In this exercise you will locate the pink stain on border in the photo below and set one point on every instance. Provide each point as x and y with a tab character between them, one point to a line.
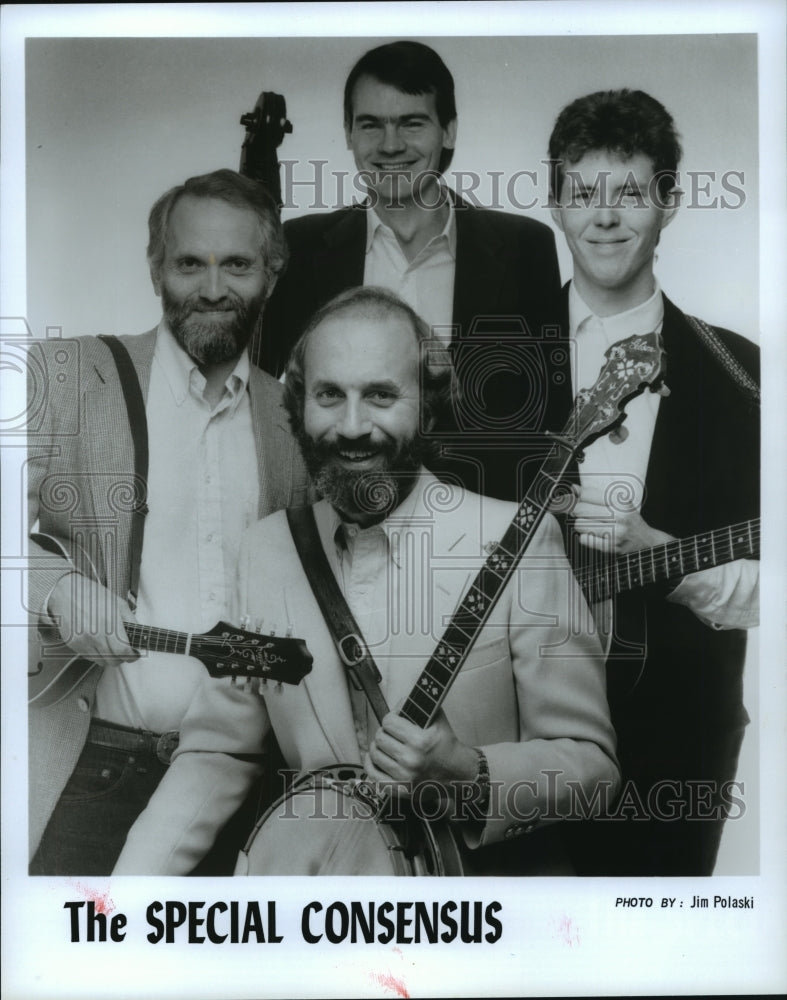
567	931
390	982
101	900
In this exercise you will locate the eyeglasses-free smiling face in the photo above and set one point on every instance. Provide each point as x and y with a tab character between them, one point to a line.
213	282
612	217
361	411
395	137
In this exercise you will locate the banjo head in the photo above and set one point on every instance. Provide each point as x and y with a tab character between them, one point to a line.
328	823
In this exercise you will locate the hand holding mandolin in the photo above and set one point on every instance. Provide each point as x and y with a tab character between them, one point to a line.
90	620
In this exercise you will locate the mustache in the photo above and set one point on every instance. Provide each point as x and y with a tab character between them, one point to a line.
230	303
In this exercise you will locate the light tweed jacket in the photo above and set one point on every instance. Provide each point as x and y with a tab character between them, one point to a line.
80	479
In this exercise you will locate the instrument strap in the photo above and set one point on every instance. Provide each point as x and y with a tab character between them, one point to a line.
725	358
135	404
361	669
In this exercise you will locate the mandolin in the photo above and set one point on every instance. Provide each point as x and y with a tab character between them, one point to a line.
225	651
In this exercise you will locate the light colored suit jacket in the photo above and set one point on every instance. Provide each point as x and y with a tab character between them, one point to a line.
81	479
531	693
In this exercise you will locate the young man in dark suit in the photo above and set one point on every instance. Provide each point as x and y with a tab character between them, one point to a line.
469	272
686	463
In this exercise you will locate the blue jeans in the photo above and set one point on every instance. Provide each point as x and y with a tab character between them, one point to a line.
108	789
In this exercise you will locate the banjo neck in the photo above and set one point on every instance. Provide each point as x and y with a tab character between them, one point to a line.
435	680
631	366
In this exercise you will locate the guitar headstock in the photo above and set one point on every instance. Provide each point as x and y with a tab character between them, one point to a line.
632	365
227	651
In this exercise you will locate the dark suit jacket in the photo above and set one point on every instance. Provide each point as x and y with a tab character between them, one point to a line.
684	719
506	265
506	270
80	478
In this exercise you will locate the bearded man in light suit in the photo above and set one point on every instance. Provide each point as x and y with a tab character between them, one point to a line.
526	715
220	456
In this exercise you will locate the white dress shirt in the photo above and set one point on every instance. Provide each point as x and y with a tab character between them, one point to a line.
203	491
427	282
723	597
367	566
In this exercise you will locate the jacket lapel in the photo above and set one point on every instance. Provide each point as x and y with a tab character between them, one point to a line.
273	443
328	685
438	543
110	459
480	264
340	257
675	454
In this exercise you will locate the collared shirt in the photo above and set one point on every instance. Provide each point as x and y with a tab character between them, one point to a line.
203	492
367	566
608	465
427	282
723	597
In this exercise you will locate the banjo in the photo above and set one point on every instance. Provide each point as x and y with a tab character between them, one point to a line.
335	821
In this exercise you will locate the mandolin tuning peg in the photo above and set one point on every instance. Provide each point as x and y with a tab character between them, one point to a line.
618	435
279	687
244	622
258	625
272	630
288	633
662	390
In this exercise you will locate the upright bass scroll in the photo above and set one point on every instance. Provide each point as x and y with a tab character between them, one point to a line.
265	127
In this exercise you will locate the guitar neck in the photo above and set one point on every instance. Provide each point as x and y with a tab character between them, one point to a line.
671	560
473	612
159	640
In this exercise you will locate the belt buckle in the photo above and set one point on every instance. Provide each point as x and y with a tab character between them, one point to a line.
166	745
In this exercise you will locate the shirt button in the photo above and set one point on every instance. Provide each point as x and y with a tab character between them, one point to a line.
209	537
212	597
83	704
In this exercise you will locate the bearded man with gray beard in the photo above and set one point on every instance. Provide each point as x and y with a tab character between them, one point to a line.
525	722
220	455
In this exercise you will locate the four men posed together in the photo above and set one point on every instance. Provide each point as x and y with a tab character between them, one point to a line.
543	751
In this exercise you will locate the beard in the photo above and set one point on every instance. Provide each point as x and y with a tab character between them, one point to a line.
368	495
211	339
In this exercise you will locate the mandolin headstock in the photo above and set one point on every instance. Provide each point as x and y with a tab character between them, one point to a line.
227	651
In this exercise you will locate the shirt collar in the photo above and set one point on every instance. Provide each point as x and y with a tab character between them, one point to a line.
374	224
184	377
647	317
411	508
